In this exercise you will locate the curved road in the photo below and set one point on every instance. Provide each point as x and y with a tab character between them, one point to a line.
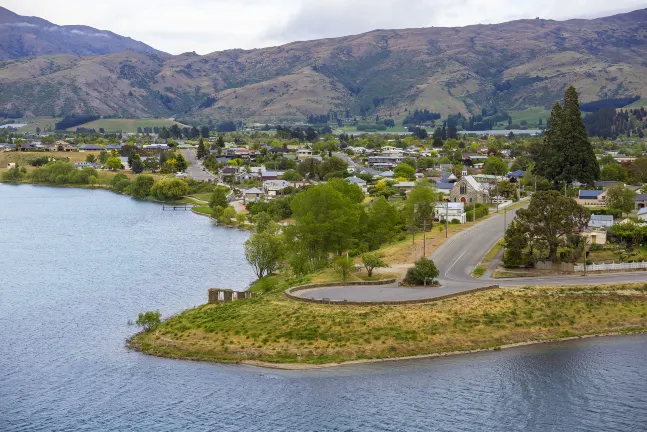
456	258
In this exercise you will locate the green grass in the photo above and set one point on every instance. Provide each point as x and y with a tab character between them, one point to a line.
127	125
275	329
531	115
206	210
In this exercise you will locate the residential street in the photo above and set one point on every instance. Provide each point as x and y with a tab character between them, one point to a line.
195	167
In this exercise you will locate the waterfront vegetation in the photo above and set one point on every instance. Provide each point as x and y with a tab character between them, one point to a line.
272	328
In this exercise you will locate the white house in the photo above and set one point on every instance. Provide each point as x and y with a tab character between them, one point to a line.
450	211
303	153
273	188
601	221
359	182
253	194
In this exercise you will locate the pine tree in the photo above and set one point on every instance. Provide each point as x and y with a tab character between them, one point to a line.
202	151
566	154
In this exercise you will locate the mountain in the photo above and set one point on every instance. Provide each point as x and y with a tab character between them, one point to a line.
22	36
515	66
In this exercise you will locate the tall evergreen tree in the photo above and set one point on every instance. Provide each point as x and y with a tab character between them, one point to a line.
566	154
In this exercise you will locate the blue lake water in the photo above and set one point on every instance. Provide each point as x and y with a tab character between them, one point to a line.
76	265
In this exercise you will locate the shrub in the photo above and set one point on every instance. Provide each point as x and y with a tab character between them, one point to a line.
343	267
148	320
169	189
422	272
142	185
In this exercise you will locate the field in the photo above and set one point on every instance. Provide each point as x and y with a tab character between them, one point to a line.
45	124
127	125
22	157
531	115
272	328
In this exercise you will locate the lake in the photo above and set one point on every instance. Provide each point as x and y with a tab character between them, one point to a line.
78	264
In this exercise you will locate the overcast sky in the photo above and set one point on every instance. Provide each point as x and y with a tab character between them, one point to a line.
205	26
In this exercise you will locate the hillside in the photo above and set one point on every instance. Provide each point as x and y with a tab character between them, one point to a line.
515	66
22	36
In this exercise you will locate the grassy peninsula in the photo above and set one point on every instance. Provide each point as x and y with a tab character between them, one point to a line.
271	328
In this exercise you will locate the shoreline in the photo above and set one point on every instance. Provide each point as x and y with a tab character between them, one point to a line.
309	366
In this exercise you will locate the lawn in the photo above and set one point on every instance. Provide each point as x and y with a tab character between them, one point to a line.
273	328
127	125
487	260
22	157
531	115
45	124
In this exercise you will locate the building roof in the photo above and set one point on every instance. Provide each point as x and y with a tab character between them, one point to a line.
91	147
590	194
472	182
640	197
451	205
441	185
387	174
642	211
355	180
254	191
405	184
516	174
447	177
606	184
602	218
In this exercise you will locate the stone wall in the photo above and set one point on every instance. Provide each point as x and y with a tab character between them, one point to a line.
218	295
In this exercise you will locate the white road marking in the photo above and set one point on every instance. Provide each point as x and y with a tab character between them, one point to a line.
450	267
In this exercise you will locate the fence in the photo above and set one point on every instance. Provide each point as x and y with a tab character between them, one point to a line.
548	265
614	266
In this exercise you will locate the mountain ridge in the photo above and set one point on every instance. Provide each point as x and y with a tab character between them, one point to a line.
25	36
519	65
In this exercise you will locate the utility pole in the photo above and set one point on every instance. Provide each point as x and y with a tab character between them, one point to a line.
446	218
424	237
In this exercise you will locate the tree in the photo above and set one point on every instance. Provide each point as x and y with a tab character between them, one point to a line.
137	165
114	163
204	132
263	252
292	175
495	166
404	171
152	164
180	163
383	223
326	221
421	204
228	214
639	169
551	219
332	165
103	157
90	158
202	150
309	168
343	267
423	271
148	320
566	154
142	185
169	189
621	198
614	172
371	261
240	218
219	198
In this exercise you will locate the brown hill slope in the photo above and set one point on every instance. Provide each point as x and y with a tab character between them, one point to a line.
509	66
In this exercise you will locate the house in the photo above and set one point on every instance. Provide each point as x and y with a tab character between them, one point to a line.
444	188
81	165
606	184
359	182
253	194
387	174
640	200
601	221
592	198
450	211
304	153
91	147
595	236
156	147
642	213
516	175
271	175
278	151
468	190
448	177
245	176
64	146
273	188
405	186
385	162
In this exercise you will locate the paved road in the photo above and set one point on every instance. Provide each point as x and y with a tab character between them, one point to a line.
357	166
456	258
195	167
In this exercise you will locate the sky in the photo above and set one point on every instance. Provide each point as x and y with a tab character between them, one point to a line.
206	26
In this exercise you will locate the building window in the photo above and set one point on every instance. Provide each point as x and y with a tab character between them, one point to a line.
470	199
463	189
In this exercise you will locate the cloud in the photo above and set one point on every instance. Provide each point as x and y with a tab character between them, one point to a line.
205	26
82	33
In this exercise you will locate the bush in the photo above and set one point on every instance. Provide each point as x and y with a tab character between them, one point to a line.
343	267
169	189
142	185
482	210
148	320
424	271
